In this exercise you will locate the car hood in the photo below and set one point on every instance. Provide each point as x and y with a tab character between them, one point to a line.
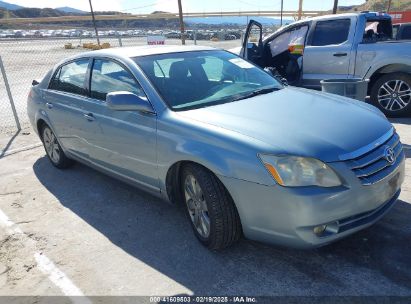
300	122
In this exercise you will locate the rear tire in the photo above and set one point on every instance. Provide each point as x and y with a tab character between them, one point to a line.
391	93
213	204
53	149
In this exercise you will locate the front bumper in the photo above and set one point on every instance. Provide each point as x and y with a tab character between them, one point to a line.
287	216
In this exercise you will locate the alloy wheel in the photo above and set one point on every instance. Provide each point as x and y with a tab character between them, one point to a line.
51	145
197	206
394	95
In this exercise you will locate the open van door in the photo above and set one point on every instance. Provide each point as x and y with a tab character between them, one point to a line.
252	48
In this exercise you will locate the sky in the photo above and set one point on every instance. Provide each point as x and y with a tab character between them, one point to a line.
148	6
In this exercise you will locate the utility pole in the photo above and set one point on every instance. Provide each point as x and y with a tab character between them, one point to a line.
94	22
180	14
281	16
389	6
300	9
335	7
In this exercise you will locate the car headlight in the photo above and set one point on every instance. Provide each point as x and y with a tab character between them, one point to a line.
296	171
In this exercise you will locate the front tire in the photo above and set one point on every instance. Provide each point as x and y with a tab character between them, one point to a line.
53	149
210	208
391	93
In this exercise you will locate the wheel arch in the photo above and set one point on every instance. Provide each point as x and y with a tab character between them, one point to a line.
173	187
40	122
173	176
40	125
387	69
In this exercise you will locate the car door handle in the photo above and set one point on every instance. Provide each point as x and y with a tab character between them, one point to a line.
49	105
340	54
89	116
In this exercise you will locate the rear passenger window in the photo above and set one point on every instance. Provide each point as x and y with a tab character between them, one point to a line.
70	77
331	32
108	76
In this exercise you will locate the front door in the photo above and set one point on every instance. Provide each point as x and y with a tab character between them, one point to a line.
252	48
328	53
123	142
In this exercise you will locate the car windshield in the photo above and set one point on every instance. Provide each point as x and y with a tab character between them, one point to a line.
197	79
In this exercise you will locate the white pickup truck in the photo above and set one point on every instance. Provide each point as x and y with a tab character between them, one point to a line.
354	45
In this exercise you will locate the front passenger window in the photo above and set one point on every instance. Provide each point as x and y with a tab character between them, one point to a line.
108	76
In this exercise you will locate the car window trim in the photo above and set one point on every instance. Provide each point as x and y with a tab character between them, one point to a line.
59	69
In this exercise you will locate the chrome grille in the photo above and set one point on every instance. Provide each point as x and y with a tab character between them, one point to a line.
372	166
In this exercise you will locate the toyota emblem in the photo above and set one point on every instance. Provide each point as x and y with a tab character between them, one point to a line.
389	155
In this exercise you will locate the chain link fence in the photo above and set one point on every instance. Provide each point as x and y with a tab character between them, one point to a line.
26	59
7	121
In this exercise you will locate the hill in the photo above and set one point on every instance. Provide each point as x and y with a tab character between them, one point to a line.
39	12
377	6
4	13
233	20
68	9
382	5
49	12
8	10
9	6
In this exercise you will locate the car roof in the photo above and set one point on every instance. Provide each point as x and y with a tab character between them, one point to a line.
331	16
316	18
367	14
136	51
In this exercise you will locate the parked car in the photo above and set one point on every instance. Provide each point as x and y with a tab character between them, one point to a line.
242	152
402	31
338	46
173	35
230	37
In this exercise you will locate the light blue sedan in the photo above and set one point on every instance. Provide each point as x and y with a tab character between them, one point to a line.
244	154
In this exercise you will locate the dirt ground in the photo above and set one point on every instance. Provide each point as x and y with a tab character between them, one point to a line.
79	232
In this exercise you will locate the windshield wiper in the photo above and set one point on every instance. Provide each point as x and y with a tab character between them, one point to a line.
257	92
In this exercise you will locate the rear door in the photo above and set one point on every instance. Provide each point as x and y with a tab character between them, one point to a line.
65	105
329	51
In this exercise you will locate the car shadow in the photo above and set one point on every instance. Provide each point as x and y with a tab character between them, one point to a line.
374	261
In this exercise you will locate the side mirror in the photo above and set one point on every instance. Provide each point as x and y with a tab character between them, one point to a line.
127	101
